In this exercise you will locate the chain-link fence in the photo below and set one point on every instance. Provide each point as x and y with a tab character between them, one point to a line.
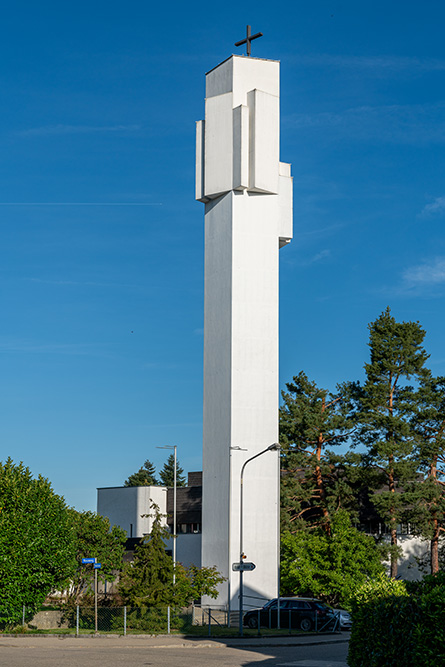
83	619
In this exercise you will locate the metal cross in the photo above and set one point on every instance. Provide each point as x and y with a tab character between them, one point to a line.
249	38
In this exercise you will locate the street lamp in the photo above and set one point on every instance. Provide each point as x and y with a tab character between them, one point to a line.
174	509
272	448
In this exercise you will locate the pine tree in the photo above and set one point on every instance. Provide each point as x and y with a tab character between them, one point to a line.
386	404
145	476
149	579
427	496
168	472
314	482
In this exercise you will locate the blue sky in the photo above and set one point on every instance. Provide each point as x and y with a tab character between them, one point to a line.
101	245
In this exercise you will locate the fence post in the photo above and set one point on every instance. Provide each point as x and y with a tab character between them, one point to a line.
210	622
23	616
77	620
125	621
168	619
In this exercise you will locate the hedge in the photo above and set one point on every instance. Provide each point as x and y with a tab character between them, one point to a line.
398	625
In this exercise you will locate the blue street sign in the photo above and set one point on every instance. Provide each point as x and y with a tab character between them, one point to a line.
85	561
97	566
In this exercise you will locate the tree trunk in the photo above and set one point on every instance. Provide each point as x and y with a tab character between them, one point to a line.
435	549
393	555
319	479
393	524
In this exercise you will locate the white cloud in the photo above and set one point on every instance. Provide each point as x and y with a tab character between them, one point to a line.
8	346
376	65
397	123
428	273
320	255
436	207
76	129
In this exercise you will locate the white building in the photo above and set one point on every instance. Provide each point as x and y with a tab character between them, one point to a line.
128	507
247	193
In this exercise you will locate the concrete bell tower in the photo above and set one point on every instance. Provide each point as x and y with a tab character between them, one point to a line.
247	194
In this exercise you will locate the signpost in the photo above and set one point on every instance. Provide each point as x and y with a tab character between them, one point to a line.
96	566
243	567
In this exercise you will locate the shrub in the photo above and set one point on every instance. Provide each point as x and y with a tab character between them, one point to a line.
398	625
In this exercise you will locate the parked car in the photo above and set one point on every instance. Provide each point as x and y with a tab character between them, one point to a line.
345	620
303	613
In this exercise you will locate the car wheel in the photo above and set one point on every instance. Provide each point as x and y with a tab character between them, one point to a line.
252	622
305	624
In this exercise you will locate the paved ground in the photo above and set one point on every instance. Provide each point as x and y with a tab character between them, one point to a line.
52	651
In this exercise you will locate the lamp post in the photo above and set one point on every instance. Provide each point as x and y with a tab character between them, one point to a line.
174	509
272	448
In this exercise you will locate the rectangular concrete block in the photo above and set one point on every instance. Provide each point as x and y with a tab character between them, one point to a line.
241	148
199	168
264	141
285	209
218	146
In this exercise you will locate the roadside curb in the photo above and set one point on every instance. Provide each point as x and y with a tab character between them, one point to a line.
187	641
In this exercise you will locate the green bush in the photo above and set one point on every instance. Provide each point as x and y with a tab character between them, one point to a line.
398	625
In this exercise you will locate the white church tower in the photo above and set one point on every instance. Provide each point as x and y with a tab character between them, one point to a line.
247	193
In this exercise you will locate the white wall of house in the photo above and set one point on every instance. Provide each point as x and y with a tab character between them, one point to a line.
125	506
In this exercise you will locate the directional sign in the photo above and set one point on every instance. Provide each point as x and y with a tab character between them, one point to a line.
97	566
243	567
85	561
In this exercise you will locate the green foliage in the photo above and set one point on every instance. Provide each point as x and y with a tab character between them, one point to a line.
426	494
148	580
378	587
331	567
95	539
314	479
145	476
385	406
37	544
193	582
396	624
168	472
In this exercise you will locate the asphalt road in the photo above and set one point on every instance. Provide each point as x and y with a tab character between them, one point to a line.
137	652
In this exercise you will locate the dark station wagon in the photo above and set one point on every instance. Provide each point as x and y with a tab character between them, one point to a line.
302	613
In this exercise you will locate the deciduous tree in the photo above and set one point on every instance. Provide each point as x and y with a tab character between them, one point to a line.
332	566
95	538
37	542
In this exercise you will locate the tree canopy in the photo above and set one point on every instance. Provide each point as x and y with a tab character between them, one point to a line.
37	541
168	472
148	580
329	566
94	538
386	405
314	482
426	493
145	476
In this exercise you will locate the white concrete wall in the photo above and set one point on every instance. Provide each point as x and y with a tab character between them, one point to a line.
125	505
244	227
188	549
